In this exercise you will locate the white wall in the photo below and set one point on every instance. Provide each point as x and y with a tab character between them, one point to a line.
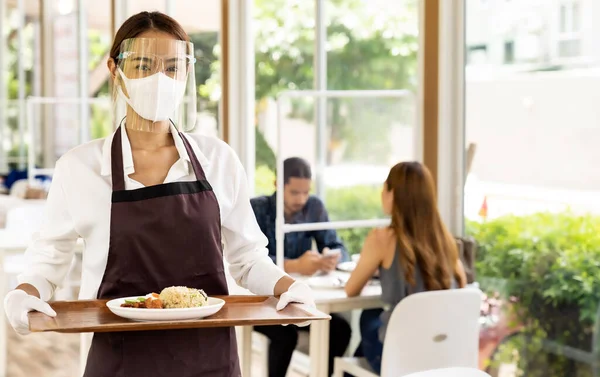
540	130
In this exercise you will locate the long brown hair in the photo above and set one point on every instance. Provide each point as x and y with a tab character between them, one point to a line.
422	237
146	21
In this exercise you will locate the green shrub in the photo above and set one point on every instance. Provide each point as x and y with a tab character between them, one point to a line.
551	264
264	181
559	254
263	153
354	203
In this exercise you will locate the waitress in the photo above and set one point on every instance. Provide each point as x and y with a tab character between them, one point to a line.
153	206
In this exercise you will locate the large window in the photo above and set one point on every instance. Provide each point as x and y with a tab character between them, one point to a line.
532	197
368	45
570	36
48	58
21	78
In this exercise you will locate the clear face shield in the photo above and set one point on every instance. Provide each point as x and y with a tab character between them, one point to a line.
155	85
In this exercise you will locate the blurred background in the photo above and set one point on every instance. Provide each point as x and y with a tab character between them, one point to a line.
499	99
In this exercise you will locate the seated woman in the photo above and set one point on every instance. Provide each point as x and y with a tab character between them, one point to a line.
416	253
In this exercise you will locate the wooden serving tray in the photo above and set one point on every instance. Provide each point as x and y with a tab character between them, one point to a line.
94	316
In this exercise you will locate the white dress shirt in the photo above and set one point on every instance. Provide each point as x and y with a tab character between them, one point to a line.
79	204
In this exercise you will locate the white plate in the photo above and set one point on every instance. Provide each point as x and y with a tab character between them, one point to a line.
141	314
347	266
326	282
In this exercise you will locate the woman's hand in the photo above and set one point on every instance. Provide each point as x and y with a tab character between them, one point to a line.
299	293
330	260
18	303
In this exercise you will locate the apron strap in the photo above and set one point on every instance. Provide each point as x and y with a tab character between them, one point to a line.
116	162
193	159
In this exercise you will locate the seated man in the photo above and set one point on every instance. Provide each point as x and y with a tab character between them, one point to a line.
300	207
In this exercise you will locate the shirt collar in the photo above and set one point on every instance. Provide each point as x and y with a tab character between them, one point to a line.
128	157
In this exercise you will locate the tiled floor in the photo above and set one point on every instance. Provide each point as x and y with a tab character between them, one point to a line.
55	355
47	355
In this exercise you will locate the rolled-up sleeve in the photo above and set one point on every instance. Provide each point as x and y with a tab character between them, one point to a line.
245	244
49	256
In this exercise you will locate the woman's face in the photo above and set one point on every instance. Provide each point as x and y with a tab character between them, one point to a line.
163	48
151	78
387	199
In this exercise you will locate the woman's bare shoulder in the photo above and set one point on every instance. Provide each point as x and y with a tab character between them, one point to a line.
382	237
383	234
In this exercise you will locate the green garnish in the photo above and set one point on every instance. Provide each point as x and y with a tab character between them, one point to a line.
133	301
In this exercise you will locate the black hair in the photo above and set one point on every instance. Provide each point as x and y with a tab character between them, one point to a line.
296	167
145	21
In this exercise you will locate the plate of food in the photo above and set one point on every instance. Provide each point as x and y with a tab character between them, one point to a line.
172	304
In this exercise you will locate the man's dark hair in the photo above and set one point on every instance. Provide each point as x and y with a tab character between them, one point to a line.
295	167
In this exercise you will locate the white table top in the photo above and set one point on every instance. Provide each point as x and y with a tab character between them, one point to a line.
370	296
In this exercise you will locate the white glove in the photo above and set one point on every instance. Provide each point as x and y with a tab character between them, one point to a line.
300	293
18	303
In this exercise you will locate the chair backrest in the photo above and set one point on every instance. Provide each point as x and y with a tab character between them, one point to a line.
467	250
451	372
429	330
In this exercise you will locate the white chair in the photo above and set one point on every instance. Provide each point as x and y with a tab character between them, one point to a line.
451	372
429	330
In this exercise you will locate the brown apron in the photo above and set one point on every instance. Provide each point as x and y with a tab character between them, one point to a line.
161	236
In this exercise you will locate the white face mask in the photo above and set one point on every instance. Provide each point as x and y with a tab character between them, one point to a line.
154	97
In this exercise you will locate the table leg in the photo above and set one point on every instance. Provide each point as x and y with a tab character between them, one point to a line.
319	346
246	354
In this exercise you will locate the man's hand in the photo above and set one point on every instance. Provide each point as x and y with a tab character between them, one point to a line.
330	262
330	259
308	264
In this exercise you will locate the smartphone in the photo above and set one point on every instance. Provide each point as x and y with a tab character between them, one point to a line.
330	253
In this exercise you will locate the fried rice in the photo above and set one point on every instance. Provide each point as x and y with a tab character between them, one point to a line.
183	297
